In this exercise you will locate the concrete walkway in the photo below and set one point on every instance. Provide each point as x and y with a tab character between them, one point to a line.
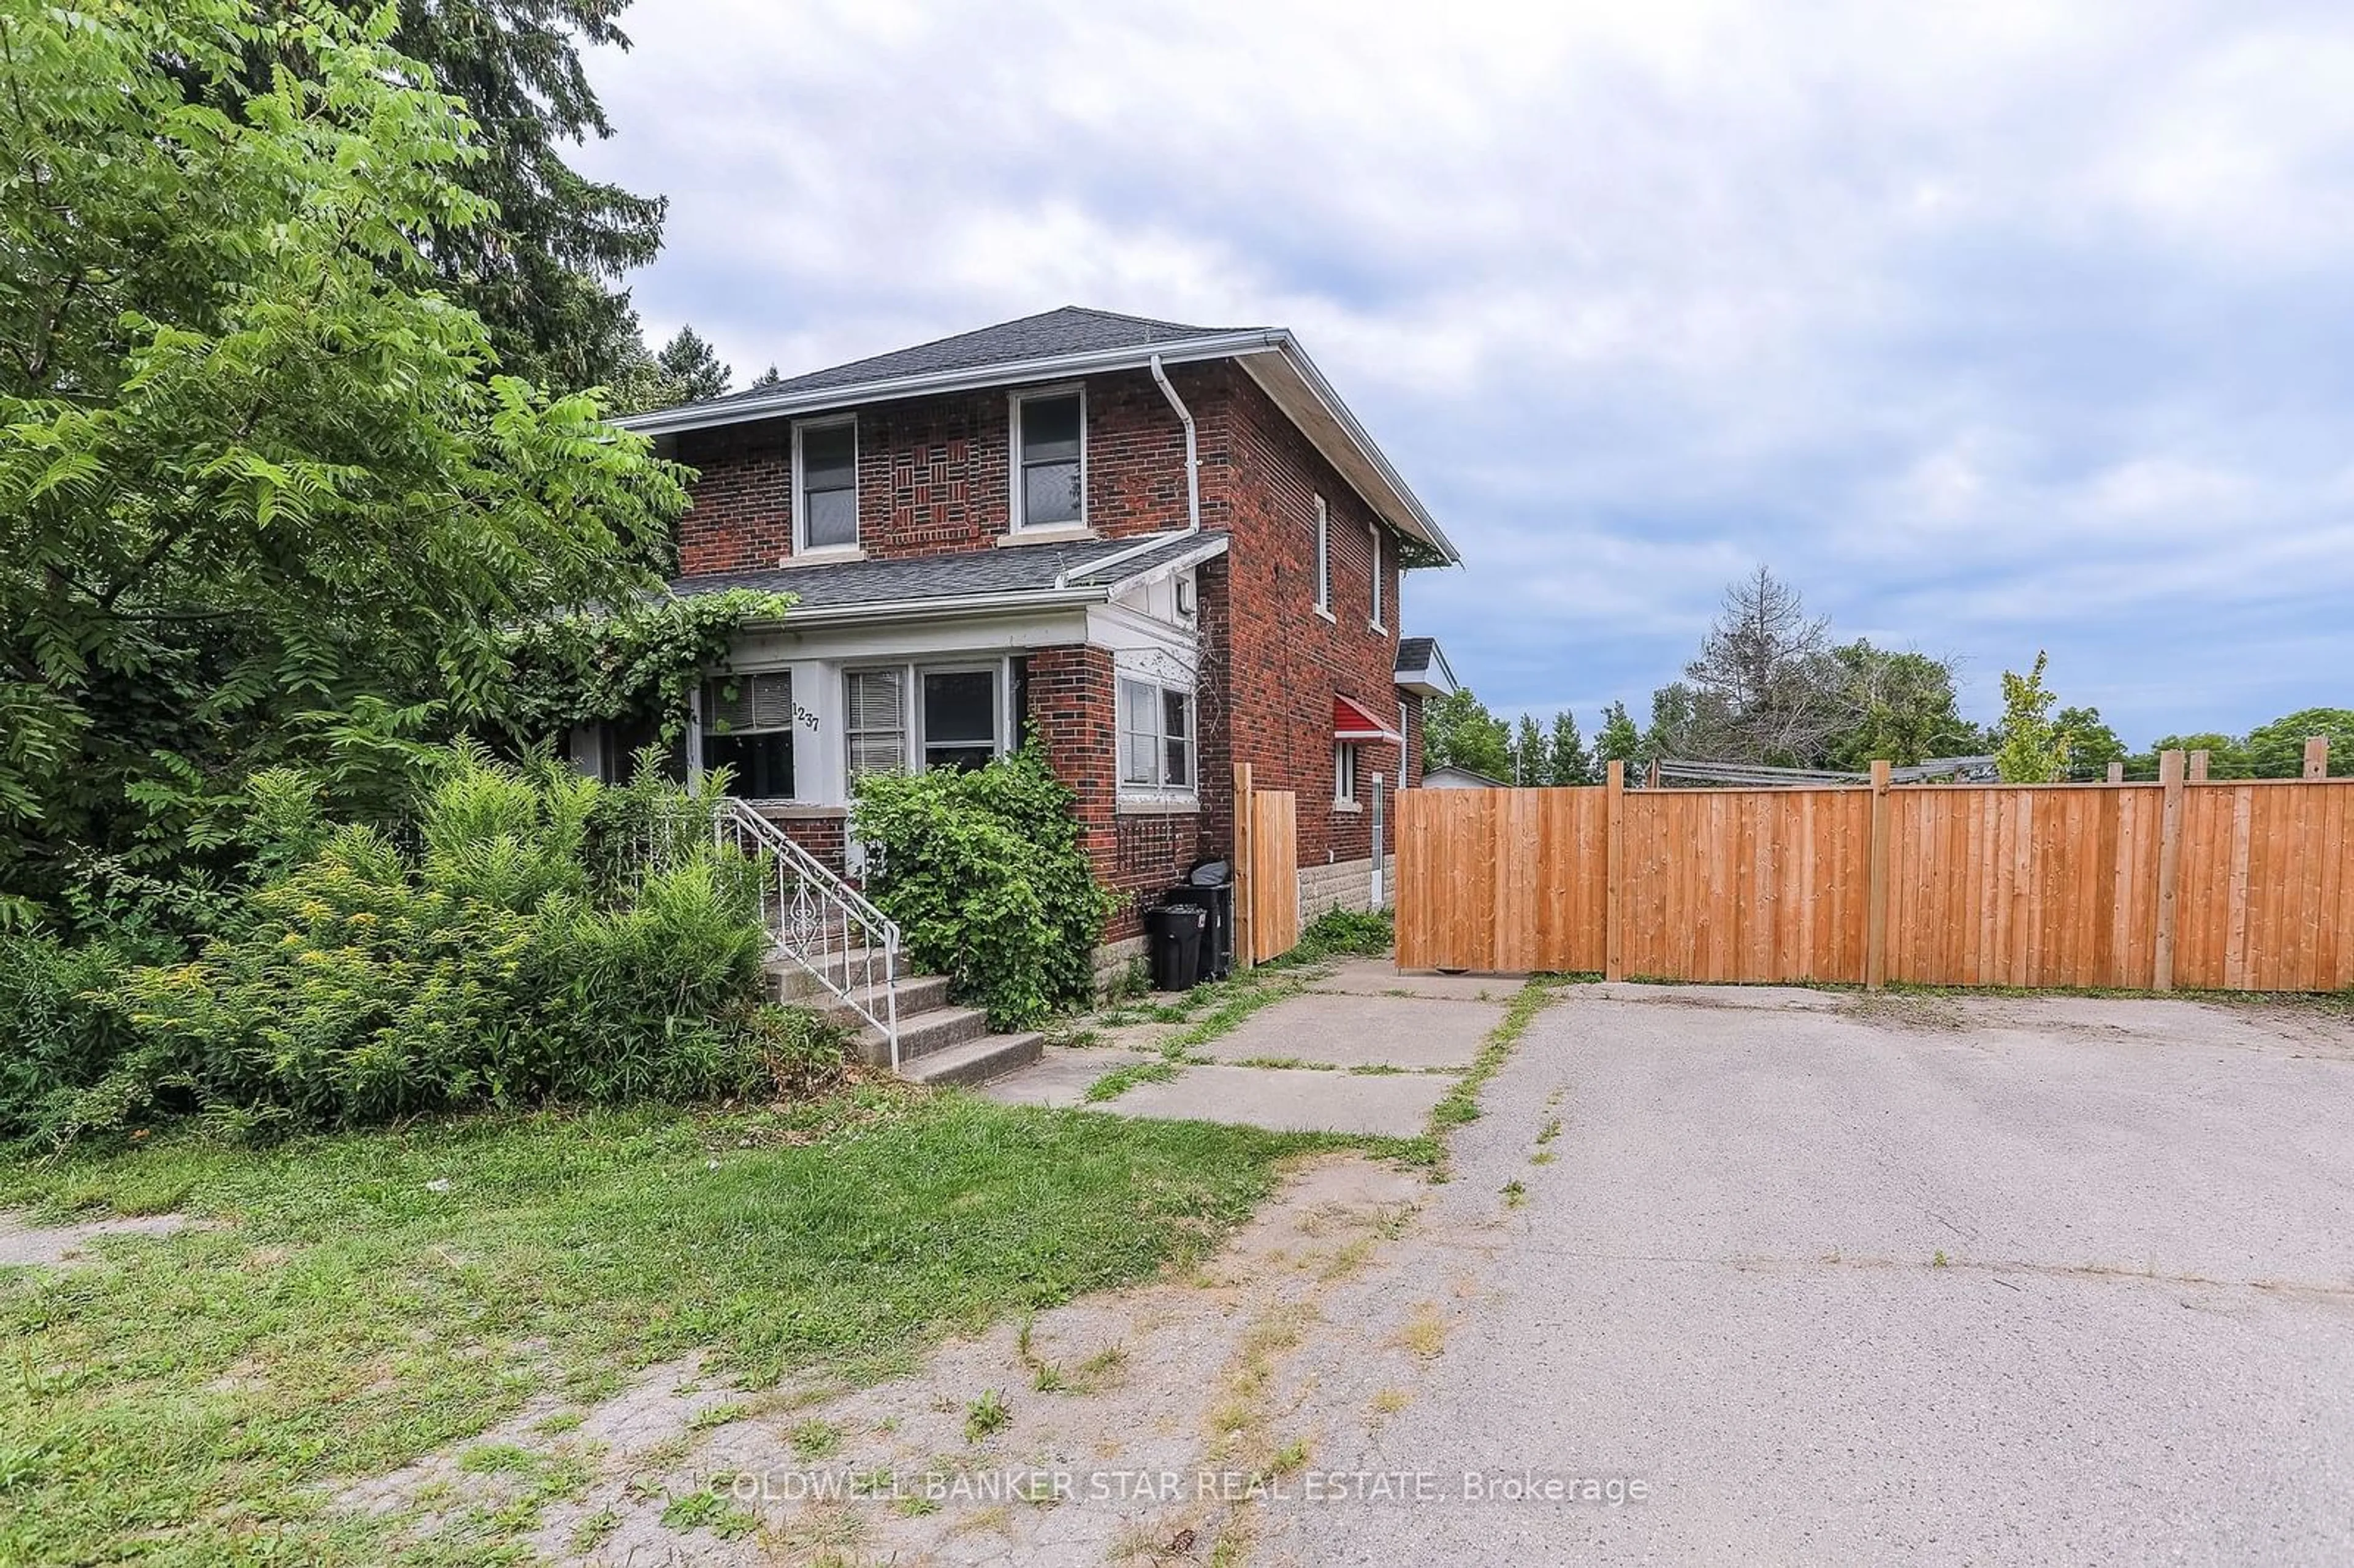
1361	1050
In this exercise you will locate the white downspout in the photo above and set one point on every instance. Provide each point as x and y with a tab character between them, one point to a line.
1193	462
1193	490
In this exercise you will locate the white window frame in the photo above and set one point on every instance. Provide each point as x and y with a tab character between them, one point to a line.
1323	559
1374	531
997	671
1344	773
708	728
802	546
1160	786
907	720
1016	494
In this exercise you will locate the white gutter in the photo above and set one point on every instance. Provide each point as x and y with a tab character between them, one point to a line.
702	416
1193	492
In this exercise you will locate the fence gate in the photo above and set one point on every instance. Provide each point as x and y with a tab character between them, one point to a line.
1267	859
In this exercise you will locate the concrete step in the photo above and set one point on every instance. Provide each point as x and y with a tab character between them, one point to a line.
918	994
788	981
923	1034
974	1061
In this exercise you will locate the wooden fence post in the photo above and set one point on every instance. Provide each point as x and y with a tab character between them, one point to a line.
1876	906
2317	757
2116	772
2199	766
2169	864
1613	866
1245	885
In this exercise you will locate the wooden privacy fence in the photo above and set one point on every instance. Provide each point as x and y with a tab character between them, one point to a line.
1266	870
2235	886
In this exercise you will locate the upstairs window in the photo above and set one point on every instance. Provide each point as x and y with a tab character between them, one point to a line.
1049	459
1323	559
1156	737
747	728
825	505
1374	529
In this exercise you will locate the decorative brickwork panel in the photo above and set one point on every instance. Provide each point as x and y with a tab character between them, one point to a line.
935	474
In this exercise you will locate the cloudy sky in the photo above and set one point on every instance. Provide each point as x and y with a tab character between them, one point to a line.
1994	326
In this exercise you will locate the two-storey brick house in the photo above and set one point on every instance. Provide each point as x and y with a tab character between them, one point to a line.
1153	550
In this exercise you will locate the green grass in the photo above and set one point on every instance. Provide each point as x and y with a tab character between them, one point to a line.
183	1398
1462	1102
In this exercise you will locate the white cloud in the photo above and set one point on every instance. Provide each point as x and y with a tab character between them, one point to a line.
1993	323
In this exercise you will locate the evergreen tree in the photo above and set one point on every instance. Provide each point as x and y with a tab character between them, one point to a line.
1529	761
541	270
1616	741
692	367
1568	761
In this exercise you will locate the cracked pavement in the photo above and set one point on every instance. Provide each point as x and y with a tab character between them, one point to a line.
1912	1279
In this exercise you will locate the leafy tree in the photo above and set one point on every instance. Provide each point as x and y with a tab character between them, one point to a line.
1616	741
2034	749
2227	756
539	265
1566	760
2277	751
1458	731
693	367
1529	760
256	471
2092	743
1902	709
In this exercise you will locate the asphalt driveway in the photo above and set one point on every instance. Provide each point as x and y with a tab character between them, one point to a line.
2060	1280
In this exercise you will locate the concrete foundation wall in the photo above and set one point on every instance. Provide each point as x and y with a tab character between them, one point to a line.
1343	884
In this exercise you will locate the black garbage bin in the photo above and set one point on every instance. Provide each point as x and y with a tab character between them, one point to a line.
1173	933
1211	886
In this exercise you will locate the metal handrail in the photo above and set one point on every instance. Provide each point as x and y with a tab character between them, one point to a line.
810	910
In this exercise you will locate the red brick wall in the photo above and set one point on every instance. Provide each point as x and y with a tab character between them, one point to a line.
934	473
933	478
1074	716
824	837
1286	661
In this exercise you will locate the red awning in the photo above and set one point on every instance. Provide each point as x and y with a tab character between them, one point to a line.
1351	721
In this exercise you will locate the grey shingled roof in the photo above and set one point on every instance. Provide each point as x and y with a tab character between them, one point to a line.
1026	568
1074	329
1414	653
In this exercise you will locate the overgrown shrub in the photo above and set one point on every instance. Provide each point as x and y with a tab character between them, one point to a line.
511	957
984	873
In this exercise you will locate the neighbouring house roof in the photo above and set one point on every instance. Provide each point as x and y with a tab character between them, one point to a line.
1351	720
1422	667
1440	776
1074	341
1082	572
